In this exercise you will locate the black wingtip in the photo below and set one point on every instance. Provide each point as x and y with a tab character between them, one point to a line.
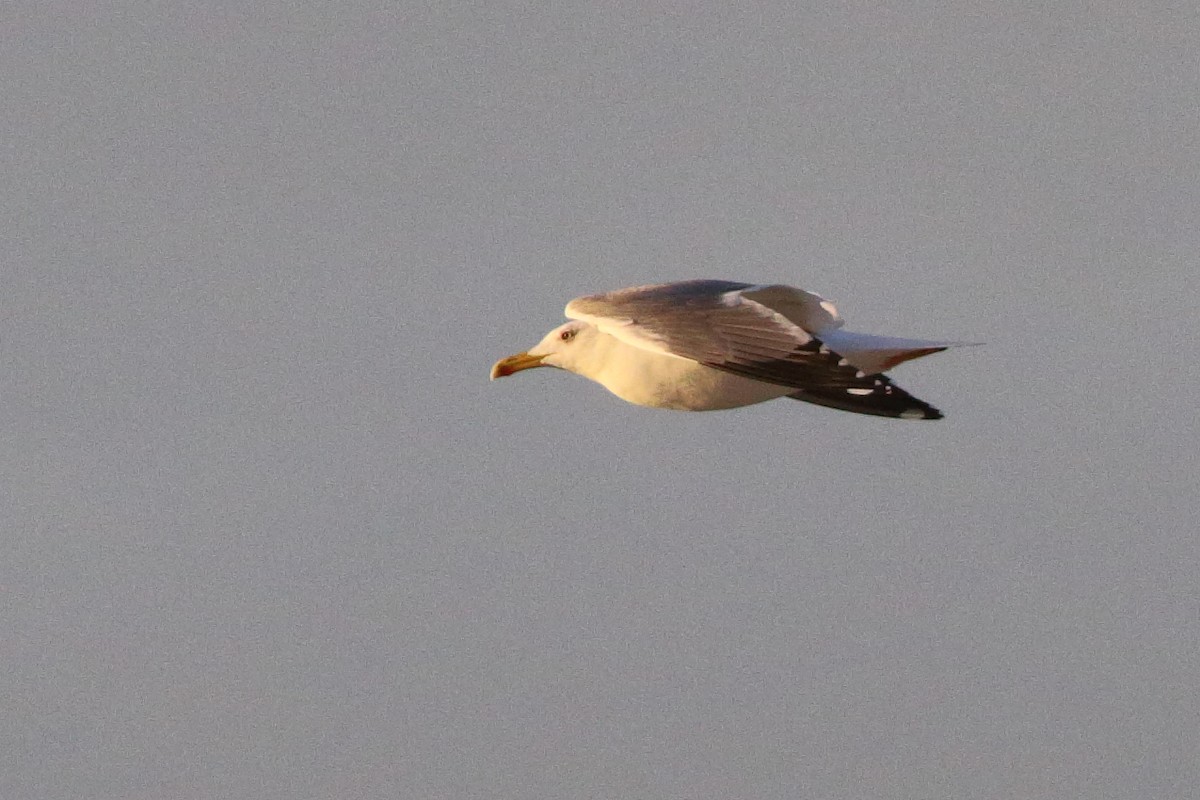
885	399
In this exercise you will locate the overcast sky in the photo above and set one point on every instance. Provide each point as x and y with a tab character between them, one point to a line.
269	532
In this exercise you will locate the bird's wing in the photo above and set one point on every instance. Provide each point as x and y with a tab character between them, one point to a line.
885	399
810	311
721	325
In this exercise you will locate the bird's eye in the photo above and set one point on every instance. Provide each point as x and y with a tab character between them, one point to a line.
567	335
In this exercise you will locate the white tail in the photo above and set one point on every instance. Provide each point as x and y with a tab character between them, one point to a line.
875	354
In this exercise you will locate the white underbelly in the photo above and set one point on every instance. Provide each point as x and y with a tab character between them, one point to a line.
675	383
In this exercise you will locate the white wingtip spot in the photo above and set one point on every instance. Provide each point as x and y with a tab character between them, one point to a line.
843	362
912	413
860	374
860	392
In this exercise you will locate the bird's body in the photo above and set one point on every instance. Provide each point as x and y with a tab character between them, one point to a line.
658	380
708	345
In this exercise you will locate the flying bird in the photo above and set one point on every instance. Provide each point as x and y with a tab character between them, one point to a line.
704	345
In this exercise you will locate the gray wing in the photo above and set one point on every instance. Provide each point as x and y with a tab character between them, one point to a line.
712	322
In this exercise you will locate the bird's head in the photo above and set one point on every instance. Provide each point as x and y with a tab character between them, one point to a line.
564	347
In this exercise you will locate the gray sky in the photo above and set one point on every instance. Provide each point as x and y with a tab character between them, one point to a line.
270	533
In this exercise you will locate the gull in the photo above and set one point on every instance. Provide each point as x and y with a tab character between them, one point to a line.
704	345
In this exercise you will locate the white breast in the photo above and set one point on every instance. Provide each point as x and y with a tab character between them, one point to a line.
662	381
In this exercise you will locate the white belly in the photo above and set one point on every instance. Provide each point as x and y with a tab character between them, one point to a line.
661	381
